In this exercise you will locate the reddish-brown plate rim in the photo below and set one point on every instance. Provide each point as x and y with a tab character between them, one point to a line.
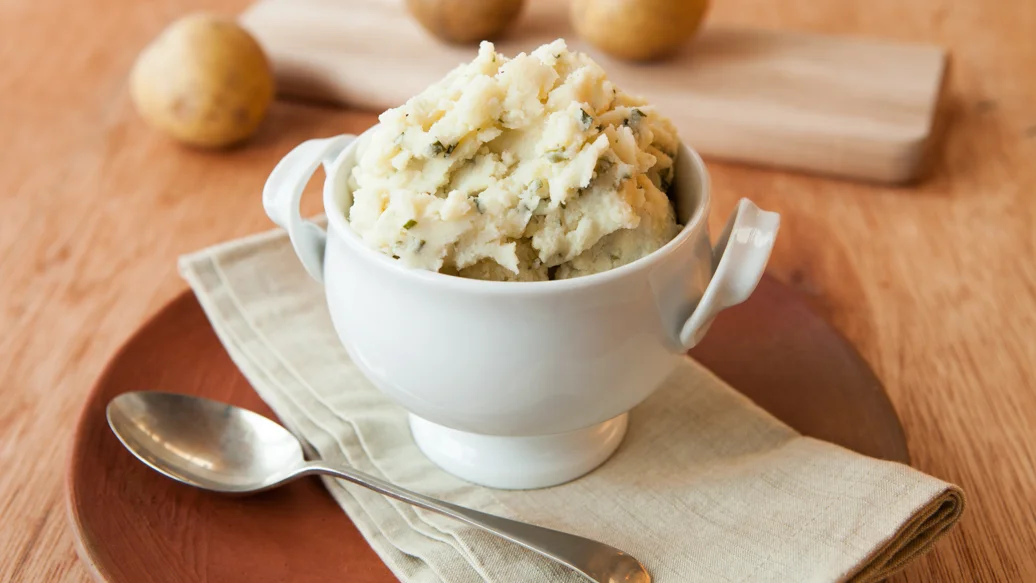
775	309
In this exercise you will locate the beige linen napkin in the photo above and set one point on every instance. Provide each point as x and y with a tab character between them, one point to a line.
706	487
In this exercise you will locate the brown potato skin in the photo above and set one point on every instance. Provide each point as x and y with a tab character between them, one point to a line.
638	30
204	81
465	21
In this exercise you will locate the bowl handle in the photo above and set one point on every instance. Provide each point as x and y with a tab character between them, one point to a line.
283	193
738	261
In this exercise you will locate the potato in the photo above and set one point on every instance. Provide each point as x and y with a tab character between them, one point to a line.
465	21
205	81
638	30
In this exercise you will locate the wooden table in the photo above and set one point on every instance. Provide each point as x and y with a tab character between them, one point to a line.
936	284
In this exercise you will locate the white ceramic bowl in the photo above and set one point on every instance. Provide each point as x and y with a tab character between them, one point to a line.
519	384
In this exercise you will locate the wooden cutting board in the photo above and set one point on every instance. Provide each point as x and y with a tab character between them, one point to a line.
849	107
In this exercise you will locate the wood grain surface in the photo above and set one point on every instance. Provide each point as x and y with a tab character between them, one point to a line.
934	284
833	105
132	525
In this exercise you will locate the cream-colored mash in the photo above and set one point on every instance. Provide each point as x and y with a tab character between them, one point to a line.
521	169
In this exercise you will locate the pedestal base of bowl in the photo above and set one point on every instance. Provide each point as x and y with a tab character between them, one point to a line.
518	463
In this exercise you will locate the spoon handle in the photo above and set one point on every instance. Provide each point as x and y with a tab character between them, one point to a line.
576	552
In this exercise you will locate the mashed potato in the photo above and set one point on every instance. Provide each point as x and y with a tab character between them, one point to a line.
522	169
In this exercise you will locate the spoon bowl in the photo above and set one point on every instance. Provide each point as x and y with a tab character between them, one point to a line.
222	448
204	443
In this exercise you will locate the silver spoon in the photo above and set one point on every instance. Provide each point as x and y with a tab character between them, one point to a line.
219	447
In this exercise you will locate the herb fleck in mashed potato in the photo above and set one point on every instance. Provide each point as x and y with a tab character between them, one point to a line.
523	169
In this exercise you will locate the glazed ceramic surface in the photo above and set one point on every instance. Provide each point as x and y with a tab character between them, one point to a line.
773	348
519	384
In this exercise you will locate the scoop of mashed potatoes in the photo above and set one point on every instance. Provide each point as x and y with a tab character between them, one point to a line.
523	169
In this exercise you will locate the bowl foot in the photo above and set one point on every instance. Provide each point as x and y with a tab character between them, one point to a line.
518	463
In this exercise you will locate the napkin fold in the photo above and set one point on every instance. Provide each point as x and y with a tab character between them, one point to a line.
706	486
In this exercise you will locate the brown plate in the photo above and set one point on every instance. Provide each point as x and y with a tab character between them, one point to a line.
134	526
